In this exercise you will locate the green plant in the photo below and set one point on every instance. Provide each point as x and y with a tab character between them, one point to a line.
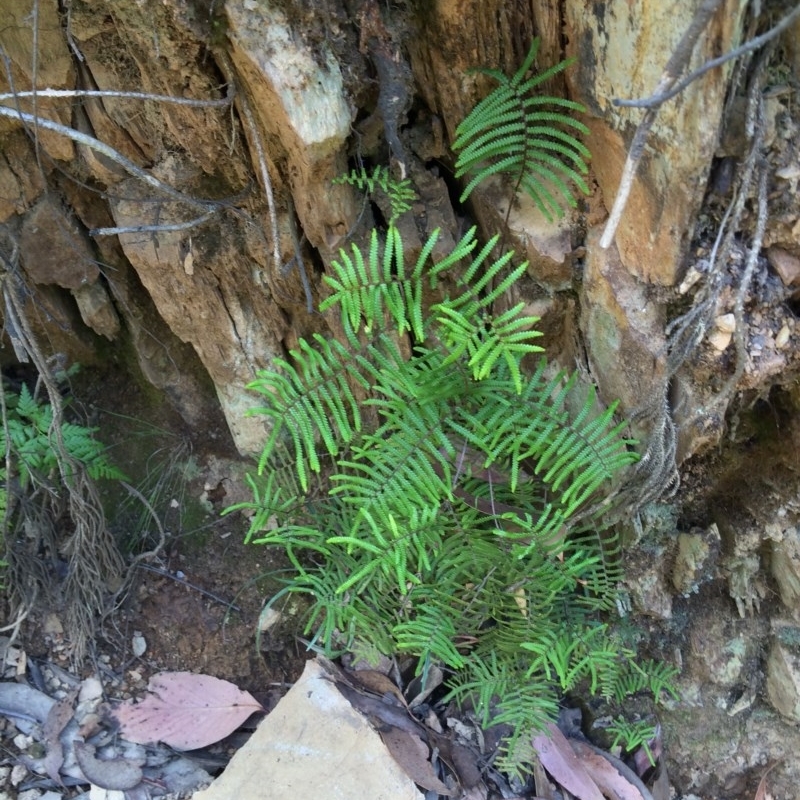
436	498
460	525
517	133
632	735
399	193
31	461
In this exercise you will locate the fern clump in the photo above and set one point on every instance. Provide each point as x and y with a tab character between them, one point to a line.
26	437
525	136
32	461
460	525
436	495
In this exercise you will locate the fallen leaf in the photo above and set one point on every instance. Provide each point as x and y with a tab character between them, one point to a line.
377	683
412	754
559	759
761	792
116	774
376	709
544	788
58	717
462	760
17	700
610	780
186	711
420	691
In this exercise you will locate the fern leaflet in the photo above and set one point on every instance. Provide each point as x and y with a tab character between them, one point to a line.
400	193
510	132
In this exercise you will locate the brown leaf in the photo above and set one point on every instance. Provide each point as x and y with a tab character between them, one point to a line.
411	753
459	758
116	773
419	691
559	759
186	711
57	719
544	789
376	709
377	683
609	780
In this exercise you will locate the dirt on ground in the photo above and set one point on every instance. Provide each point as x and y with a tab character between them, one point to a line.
195	593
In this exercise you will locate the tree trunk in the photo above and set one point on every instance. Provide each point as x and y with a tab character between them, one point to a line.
189	240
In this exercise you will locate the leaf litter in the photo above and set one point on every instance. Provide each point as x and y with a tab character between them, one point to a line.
186	711
74	745
439	760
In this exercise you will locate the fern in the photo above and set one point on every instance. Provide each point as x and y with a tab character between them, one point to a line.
462	521
28	431
649	676
463	448
400	193
517	133
27	440
633	735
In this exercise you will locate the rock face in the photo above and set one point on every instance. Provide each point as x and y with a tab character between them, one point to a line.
299	100
610	44
238	288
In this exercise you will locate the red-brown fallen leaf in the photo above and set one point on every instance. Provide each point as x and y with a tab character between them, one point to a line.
186	711
559	759
611	782
412	754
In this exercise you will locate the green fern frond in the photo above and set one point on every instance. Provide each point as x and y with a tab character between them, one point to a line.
632	735
400	193
647	676
468	327
510	133
28	433
431	634
367	290
311	397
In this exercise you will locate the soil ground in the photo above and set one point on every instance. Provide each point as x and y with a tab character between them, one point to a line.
195	606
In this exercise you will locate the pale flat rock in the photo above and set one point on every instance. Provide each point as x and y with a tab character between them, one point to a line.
314	744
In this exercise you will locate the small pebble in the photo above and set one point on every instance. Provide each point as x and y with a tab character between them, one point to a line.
138	644
18	773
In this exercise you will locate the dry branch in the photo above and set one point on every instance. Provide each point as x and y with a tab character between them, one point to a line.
747	47
109	152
